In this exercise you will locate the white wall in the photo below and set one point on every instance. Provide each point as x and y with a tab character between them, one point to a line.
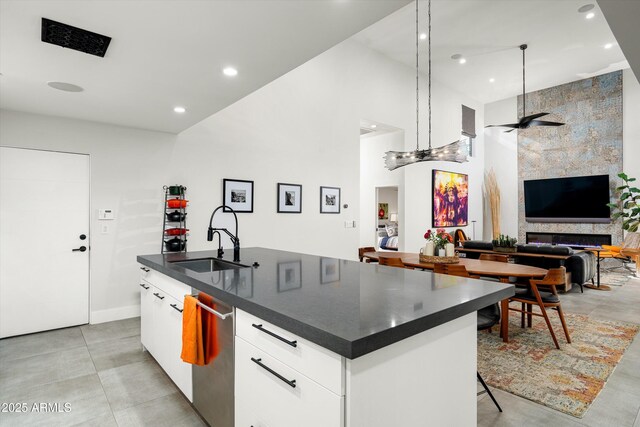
501	155
304	129
373	174
502	152
128	167
631	124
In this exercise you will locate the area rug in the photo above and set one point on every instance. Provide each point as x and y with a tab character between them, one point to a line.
616	277
567	380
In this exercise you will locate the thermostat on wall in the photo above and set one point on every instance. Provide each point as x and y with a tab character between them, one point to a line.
106	214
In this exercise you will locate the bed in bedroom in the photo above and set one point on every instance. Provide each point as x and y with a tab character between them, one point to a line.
388	238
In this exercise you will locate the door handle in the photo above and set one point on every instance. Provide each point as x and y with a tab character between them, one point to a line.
80	249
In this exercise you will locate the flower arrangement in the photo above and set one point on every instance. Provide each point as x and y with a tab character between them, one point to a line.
439	238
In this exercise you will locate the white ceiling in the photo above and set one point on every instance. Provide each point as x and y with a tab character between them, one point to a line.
169	53
563	45
166	53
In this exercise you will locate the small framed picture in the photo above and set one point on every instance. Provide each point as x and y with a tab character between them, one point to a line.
329	200
289	198
329	270
238	195
289	275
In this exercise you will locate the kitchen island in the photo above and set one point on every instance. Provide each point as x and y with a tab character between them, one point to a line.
352	344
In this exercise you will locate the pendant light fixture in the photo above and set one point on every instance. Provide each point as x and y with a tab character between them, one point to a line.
454	152
526	121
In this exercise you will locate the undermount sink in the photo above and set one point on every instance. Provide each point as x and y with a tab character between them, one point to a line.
206	265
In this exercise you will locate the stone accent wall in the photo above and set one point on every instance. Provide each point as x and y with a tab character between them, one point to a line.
590	143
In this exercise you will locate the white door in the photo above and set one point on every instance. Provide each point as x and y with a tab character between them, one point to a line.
44	213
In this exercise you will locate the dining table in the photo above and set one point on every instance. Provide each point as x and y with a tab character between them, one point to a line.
483	268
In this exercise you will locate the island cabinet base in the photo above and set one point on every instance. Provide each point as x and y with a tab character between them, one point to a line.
428	379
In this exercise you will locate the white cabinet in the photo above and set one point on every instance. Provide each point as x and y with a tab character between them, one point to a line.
270	393
146	316
321	365
161	327
284	380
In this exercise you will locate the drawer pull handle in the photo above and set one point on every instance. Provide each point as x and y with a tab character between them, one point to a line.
142	284
158	295
258	362
175	307
260	328
145	269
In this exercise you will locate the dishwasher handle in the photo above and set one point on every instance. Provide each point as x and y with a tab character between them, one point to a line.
219	315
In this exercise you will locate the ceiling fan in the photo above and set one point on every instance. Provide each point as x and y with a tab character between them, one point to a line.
531	120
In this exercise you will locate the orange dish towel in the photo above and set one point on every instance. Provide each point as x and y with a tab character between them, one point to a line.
209	329
192	344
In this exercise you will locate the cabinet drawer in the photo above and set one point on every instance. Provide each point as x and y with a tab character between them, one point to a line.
172	287
262	398
317	363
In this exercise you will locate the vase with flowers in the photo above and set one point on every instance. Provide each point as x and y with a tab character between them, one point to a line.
437	243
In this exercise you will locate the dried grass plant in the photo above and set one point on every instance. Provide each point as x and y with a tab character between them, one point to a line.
492	194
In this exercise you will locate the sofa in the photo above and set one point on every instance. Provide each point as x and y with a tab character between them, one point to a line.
581	264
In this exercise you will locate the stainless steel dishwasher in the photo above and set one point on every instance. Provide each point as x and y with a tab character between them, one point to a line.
213	384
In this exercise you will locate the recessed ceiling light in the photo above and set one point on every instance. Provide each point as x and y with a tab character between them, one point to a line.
586	8
590	15
423	36
374	126
230	71
66	87
462	60
179	109
491	80
608	45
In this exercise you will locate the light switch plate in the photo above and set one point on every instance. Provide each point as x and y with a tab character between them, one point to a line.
106	214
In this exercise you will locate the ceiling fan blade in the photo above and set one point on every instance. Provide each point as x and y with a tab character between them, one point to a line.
510	130
527	119
543	123
510	125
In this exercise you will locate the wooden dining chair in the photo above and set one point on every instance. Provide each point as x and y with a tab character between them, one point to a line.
361	252
453	270
494	257
393	262
543	293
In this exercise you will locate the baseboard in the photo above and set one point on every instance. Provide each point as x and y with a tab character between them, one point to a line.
119	313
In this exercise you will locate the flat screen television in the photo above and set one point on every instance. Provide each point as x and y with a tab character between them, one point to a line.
575	199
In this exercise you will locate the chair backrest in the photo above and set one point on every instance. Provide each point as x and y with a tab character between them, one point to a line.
392	262
554	277
494	257
451	269
459	237
361	251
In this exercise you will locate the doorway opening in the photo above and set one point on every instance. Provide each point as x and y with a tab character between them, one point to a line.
380	189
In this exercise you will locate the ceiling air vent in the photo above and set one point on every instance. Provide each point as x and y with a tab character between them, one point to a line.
74	38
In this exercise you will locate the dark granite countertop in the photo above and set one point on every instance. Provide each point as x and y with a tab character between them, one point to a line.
348	307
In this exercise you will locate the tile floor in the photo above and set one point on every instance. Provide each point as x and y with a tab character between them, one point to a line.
100	369
110	381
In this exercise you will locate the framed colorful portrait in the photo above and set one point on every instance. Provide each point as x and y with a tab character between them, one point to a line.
450	199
